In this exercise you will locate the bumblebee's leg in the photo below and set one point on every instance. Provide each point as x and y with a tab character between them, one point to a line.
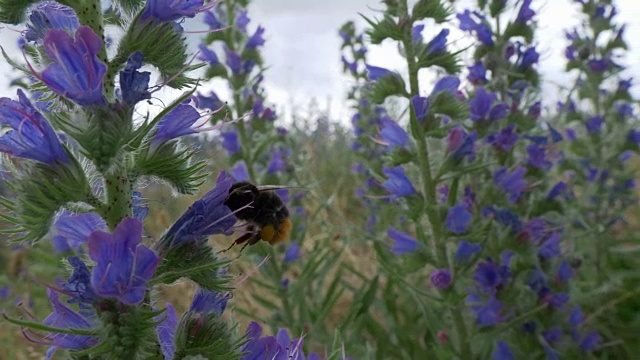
254	239
241	239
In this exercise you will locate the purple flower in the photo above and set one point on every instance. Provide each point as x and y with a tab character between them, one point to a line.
166	331
591	341
489	276
416	34
565	272
242	20
139	208
480	106
292	348
233	60
134	84
170	10
375	72
525	14
556	137
176	123
420	106
256	39
477	73
397	184
123	265
458	218
461	144
32	136
535	110
79	283
211	20
553	335
208	55
466	250
209	302
502	351
75	72
467	23
447	83
489	313
634	136
513	183
439	42
239	171
594	124
551	247
537	157
393	134
48	15
504	217
230	142
260	347
557	189
211	102
440	278
292	253
402	242
207	216
64	317
277	162
73	230
505	139
528	58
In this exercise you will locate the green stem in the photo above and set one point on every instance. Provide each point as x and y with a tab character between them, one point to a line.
429	186
118	190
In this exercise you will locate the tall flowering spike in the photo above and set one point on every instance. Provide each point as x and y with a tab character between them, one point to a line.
207	216
64	317
170	10
133	83
76	72
123	265
513	183
176	123
398	184
393	134
166	331
75	229
48	15
402	242
209	302
32	136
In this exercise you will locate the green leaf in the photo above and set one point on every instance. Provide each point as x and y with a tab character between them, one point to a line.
13	11
384	87
387	28
433	9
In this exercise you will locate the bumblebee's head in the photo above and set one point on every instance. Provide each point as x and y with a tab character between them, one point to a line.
241	194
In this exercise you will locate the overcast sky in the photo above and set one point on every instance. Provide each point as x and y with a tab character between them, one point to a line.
303	55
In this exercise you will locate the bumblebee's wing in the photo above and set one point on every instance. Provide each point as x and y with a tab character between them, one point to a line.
278	187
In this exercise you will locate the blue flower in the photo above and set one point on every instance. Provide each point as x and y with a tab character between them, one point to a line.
32	136
467	23
75	72
211	102
420	106
461	144
504	217
528	58
526	13
489	312
440	278
402	242
537	157
133	83
233	60
123	265
481	108
397	184
466	250
239	171
211	20
393	134
292	253
79	283
458	218
505	139
258	347
176	123
439	42
48	15
242	20
477	73
512	183
489	276
170	10
557	189
556	137
502	351
535	110
64	317
209	302
73	230
230	142
553	335
256	39
374	72
416	34
140	210
591	341
447	83
594	124
551	247
205	217
292	348
166	331
277	162
208	55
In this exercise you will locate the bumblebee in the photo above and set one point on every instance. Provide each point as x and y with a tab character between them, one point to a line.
266	215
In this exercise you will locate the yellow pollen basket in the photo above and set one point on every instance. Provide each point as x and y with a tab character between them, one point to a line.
275	236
